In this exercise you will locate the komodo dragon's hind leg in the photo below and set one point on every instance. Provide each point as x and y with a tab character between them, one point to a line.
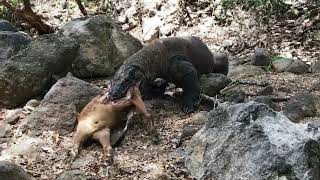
184	73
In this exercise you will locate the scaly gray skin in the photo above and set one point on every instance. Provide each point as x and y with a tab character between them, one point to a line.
178	60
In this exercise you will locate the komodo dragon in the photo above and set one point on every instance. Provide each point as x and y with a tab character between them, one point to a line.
179	60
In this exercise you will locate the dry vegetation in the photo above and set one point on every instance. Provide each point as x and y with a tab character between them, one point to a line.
292	31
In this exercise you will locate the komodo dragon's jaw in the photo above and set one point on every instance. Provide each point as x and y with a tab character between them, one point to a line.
126	77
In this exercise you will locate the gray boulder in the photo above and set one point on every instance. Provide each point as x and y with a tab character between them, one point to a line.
58	110
245	71
301	105
251	141
212	83
298	67
235	95
11	171
56	117
71	90
295	66
261	57
268	101
103	45
282	64
11	43
32	70
6	26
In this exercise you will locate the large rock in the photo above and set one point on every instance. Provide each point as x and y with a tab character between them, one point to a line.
6	26
268	101
245	71
71	90
280	65
298	67
55	117
234	94
212	83
58	110
11	43
301	105
261	57
35	68
11	171
251	141
295	66
103	45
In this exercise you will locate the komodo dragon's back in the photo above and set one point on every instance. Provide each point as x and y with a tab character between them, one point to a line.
196	52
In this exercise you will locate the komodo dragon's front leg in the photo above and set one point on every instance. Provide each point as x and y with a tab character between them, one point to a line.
184	74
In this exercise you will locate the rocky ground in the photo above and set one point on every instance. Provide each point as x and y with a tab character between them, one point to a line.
137	158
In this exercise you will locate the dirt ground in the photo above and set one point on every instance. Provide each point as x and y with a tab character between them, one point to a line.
137	157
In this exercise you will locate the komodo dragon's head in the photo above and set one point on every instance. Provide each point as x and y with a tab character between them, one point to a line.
126	77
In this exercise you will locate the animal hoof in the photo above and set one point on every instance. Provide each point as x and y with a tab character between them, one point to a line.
108	156
74	154
108	159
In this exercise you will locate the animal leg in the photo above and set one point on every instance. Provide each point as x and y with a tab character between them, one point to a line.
141	108
185	74
78	140
103	136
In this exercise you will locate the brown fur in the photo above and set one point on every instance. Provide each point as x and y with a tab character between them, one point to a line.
97	119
